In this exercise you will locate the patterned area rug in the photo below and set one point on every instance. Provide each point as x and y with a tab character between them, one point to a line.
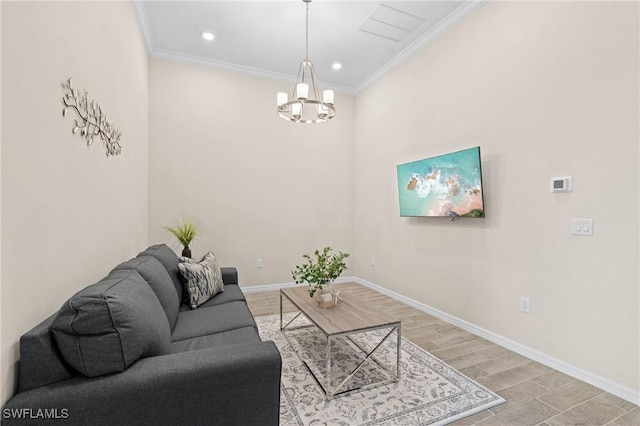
429	392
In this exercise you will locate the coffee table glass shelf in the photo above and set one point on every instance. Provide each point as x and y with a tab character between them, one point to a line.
351	325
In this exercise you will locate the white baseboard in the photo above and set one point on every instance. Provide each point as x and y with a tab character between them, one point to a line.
614	388
266	287
271	287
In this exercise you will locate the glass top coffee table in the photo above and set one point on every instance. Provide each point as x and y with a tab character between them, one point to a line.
349	319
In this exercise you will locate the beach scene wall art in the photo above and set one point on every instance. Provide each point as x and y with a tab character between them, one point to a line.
448	185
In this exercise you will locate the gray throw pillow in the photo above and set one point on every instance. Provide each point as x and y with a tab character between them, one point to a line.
109	325
202	279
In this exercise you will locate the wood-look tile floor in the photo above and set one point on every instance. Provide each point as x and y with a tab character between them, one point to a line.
535	394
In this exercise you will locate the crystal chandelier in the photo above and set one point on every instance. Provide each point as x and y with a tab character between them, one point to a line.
305	105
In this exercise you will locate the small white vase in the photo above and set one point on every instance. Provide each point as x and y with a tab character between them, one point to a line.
326	297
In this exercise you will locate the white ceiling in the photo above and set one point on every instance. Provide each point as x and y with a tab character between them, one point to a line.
267	38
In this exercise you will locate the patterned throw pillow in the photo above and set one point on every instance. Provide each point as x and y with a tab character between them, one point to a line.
202	279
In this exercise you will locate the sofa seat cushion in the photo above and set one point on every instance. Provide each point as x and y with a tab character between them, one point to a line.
169	260
155	274
232	337
107	326
211	320
231	293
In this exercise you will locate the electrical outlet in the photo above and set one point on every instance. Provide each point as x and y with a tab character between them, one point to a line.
582	226
259	263
524	304
373	261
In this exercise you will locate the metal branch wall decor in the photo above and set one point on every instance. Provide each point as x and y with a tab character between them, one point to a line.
92	122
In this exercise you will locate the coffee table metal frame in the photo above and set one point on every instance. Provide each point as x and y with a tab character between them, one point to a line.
327	388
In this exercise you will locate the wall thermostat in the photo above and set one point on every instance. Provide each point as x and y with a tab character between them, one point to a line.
560	184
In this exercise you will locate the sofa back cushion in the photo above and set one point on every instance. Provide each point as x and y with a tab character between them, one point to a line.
109	325
40	360
169	260
158	278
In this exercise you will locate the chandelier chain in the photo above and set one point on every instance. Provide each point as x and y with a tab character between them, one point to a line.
306	52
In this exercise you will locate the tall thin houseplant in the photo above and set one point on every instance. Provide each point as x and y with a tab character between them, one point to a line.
185	232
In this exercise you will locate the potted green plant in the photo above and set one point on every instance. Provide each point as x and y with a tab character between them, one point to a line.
185	232
320	270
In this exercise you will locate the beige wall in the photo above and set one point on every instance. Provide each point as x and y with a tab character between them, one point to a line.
259	186
4	395
546	89
69	214
3	356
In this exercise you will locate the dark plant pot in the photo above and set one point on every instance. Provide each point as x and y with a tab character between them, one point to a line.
186	252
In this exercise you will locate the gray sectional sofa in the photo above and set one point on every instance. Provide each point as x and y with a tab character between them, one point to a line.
127	351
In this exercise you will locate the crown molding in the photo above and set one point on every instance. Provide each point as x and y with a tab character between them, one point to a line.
445	25
241	69
454	18
143	20
167	55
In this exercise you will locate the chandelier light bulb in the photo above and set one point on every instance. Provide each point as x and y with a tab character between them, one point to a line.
328	96
283	98
323	112
296	110
302	89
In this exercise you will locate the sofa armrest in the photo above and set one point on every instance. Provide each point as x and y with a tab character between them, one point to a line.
226	385
229	275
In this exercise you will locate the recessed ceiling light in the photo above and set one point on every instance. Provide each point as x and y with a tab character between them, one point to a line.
207	35
336	66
